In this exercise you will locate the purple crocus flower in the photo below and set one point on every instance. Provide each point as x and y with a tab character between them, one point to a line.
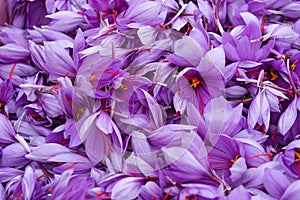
141	13
232	152
290	158
266	97
197	85
64	21
245	48
8	132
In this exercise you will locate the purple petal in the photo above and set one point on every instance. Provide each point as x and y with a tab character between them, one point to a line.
275	188
7	133
288	118
104	122
238	169
46	151
292	192
11	53
13	155
127	188
28	182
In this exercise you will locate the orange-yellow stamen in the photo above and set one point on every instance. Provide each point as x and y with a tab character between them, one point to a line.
274	74
297	156
92	77
294	65
124	87
235	159
195	82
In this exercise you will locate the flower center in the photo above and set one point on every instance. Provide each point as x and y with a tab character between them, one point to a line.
235	159
297	156
294	65
274	74
195	82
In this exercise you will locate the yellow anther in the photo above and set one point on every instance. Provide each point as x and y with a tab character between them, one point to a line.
195	83
235	159
274	75
124	87
294	64
297	156
92	77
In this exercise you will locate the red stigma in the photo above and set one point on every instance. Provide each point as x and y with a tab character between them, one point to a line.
261	155
115	12
40	177
263	131
80	12
12	70
131	173
20	196
238	72
167	195
177	114
263	24
72	165
274	133
162	26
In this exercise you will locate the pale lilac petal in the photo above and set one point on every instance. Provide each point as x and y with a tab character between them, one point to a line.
43	152
275	188
28	182
127	188
288	118
292	192
104	123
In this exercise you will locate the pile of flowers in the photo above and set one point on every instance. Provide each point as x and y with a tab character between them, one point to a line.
149	99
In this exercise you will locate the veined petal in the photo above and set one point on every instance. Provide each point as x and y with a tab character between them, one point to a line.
127	188
288	118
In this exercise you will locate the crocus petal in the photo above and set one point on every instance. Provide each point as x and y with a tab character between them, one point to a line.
97	145
58	61
194	52
64	21
238	169
2	192
12	53
183	166
127	188
43	152
7	91
239	193
275	188
292	192
7	174
50	105
150	190
104	123
13	155
7	133
288	118
28	182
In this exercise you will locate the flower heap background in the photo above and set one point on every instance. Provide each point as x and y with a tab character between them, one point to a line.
149	99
